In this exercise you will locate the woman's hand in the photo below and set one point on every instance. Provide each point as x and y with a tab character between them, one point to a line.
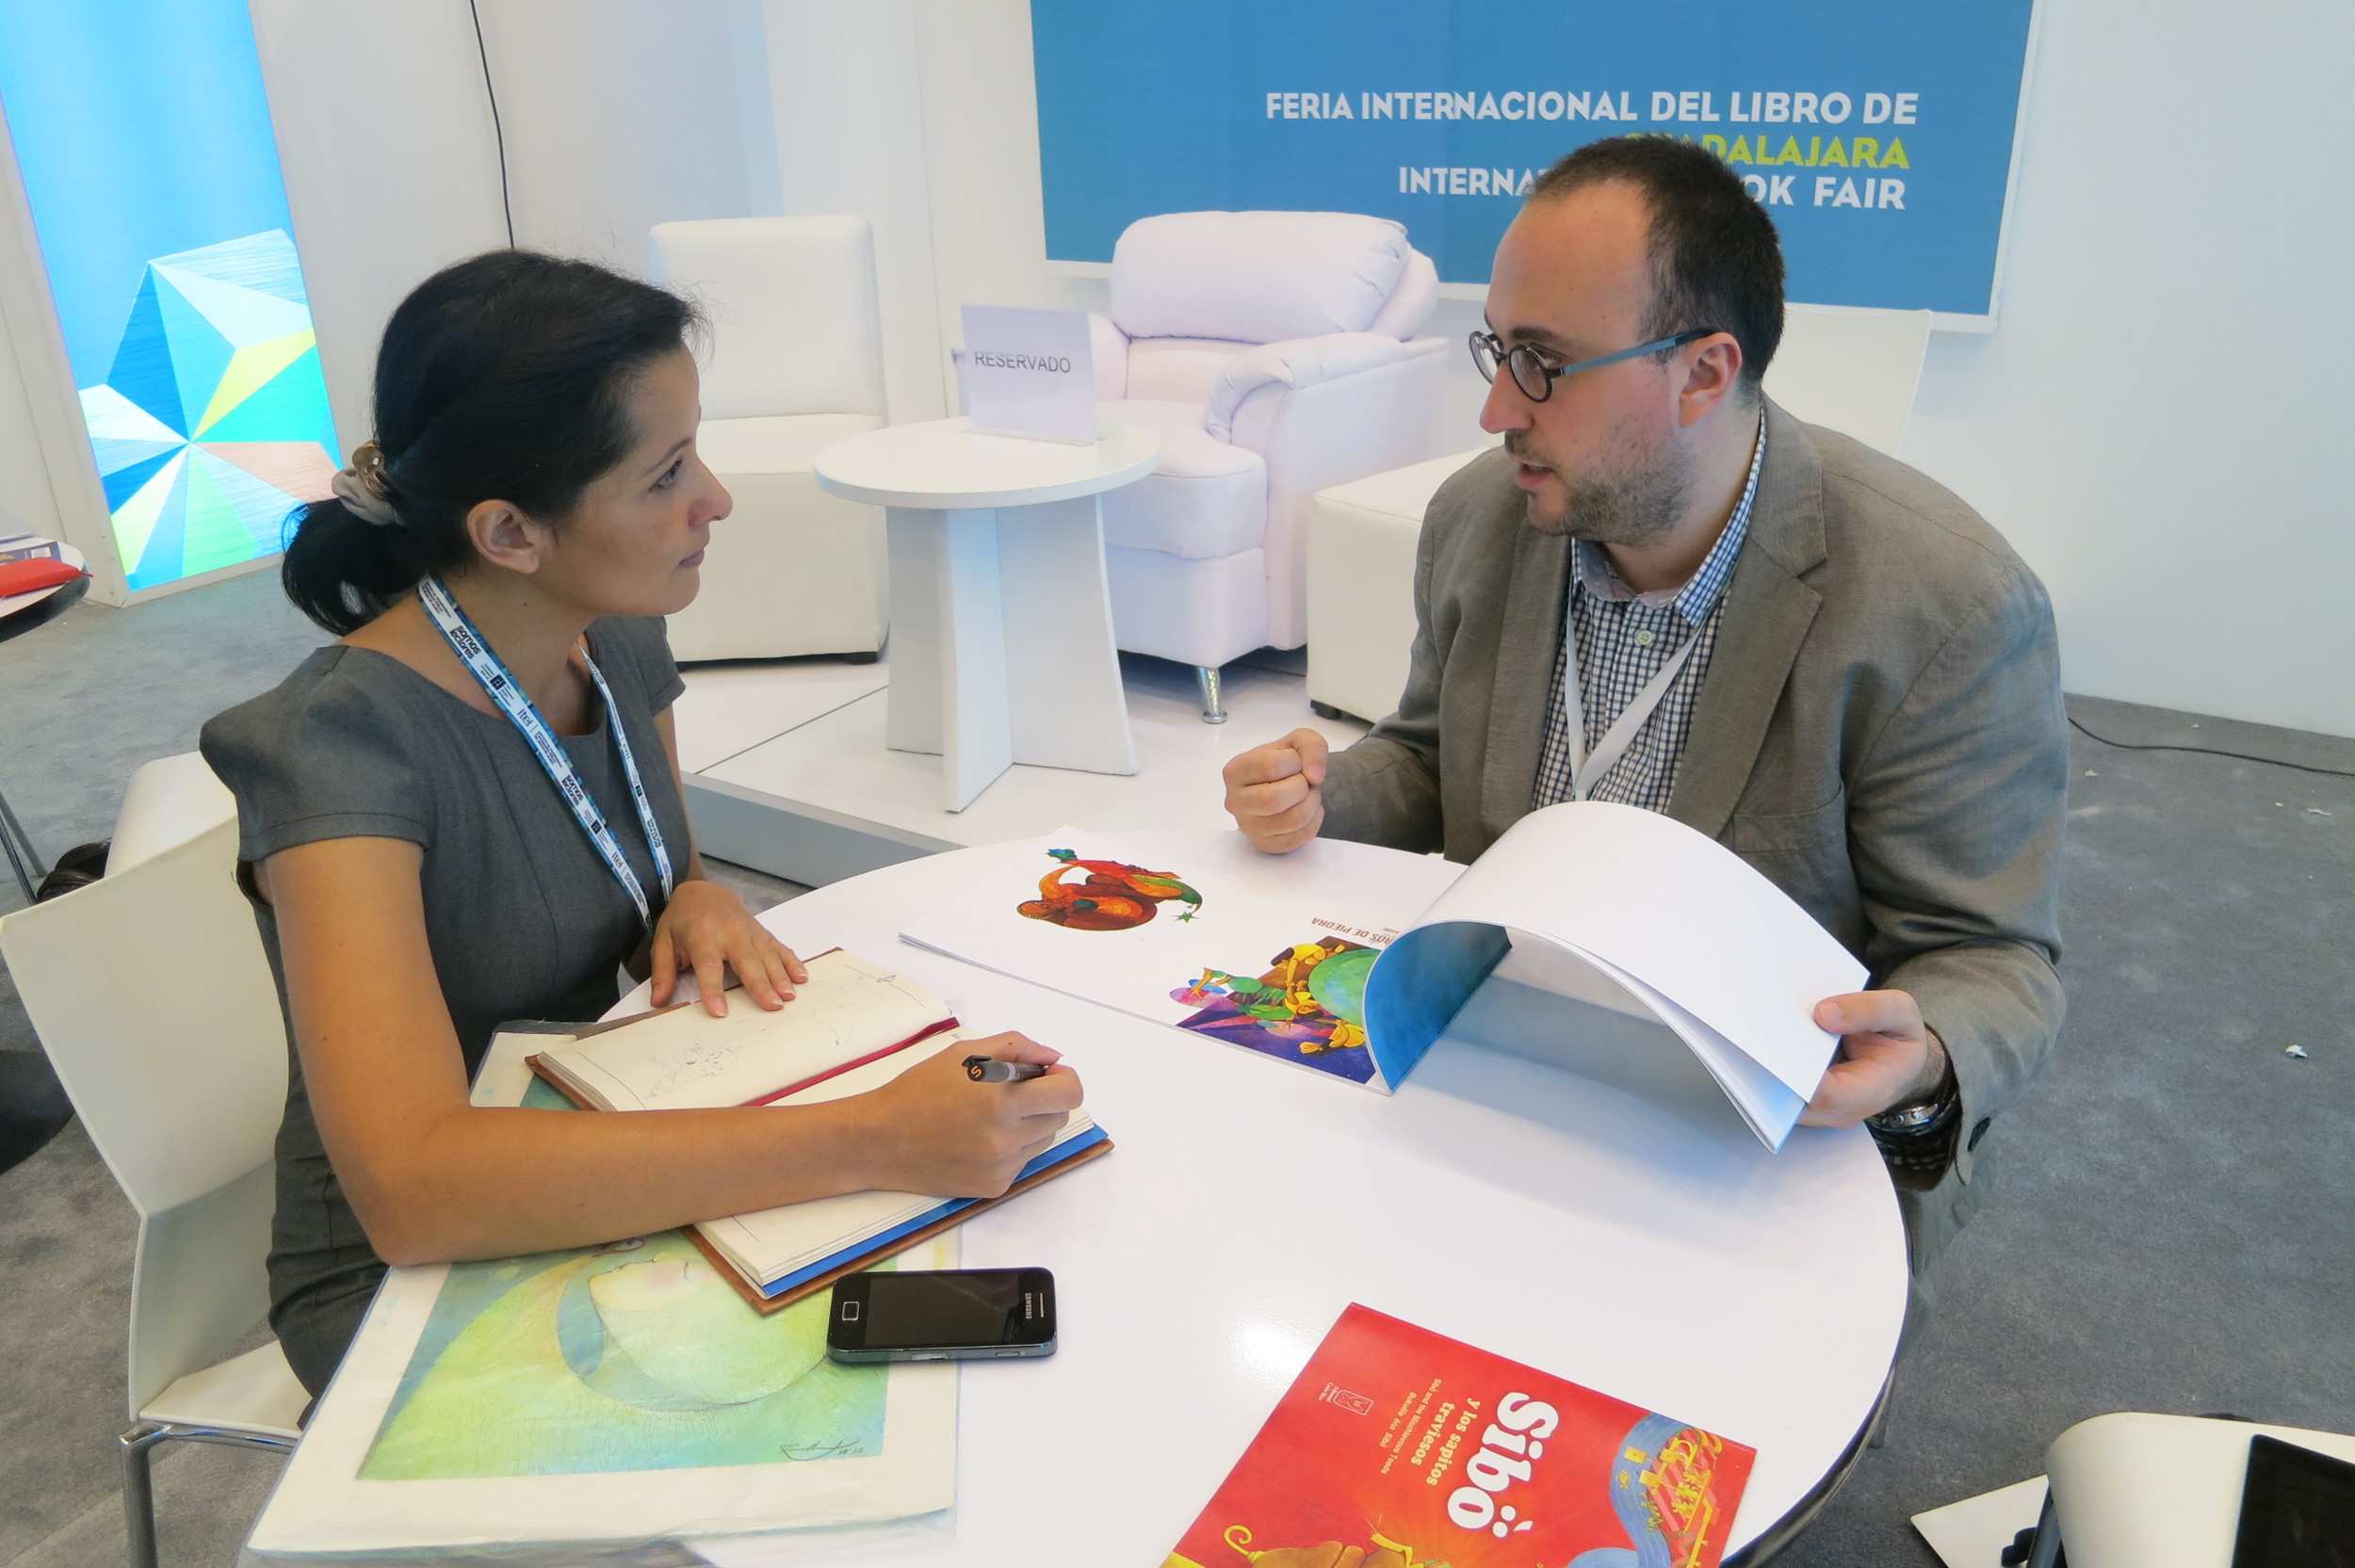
708	929
936	1132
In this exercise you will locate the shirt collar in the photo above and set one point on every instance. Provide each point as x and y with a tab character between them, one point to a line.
1698	596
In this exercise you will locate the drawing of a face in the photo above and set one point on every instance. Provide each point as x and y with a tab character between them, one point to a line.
669	1334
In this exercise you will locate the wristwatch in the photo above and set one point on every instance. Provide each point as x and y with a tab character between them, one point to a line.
1917	1141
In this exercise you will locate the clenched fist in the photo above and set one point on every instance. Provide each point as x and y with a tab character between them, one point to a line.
1276	792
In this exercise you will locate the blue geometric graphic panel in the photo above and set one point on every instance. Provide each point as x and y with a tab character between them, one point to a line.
145	145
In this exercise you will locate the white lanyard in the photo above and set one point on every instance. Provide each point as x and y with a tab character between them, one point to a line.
468	645
1588	770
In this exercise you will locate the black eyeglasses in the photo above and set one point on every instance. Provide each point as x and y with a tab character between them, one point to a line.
1535	379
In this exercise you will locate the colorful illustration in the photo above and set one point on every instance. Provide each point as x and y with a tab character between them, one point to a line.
1114	898
1397	1447
633	1356
1310	1006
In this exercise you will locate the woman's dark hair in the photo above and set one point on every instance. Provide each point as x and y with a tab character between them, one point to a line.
1715	258
504	377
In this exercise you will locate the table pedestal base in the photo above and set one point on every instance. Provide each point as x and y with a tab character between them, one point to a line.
1002	643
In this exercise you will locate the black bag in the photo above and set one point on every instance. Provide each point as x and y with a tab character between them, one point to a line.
33	1107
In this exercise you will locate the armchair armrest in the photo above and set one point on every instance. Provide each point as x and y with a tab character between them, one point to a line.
1298	362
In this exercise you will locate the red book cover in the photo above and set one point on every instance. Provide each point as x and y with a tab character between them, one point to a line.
1397	1447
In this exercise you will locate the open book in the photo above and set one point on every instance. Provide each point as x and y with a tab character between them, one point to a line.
852	1027
1354	960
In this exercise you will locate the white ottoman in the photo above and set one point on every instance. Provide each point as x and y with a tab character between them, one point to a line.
1361	585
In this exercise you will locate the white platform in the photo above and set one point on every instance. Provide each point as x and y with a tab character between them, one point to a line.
787	772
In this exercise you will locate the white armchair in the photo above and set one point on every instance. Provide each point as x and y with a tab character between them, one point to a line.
1272	354
796	365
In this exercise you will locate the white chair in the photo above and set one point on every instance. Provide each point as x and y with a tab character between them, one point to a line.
796	365
151	993
1854	371
2132	1490
1272	354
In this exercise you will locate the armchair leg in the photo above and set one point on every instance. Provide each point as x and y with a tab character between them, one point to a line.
1211	712
139	1493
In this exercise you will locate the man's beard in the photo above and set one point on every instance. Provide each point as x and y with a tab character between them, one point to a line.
1639	504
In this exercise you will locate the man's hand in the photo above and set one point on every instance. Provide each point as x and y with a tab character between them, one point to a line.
1888	1056
1276	792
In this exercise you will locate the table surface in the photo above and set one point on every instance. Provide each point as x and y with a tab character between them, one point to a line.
22	613
944	465
1635	1238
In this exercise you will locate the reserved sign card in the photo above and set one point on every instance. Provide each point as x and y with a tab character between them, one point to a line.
1029	373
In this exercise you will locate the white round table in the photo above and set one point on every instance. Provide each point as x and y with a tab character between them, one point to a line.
1647	1247
1001	622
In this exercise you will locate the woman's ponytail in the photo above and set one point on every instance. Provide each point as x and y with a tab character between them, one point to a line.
502	377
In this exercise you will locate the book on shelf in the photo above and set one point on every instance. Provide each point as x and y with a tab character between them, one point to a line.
1587	924
854	1026
1416	1450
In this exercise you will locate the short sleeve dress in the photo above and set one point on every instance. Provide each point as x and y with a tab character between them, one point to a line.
524	917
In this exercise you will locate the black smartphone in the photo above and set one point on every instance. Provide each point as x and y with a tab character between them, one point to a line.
947	1315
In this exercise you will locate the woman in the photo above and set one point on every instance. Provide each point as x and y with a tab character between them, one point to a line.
495	564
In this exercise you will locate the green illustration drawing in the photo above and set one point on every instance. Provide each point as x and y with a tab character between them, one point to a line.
633	1356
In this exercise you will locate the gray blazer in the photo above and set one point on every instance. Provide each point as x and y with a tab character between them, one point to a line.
1879	732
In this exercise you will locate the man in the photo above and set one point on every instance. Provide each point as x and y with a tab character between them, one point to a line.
1667	593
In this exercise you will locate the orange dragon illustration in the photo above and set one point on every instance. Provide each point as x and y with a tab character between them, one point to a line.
1113	897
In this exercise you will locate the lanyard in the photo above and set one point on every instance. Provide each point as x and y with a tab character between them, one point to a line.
1586	771
468	645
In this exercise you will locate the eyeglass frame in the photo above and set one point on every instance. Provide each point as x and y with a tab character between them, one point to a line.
1503	358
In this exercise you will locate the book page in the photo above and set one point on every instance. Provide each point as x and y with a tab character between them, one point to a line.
686	1059
1266	952
1668	915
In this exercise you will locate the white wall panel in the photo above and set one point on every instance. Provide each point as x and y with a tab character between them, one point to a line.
851	119
2160	421
619	115
384	138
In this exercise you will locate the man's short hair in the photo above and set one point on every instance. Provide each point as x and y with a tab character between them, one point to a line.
1715	259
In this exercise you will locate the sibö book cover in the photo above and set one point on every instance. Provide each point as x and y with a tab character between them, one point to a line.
1397	1447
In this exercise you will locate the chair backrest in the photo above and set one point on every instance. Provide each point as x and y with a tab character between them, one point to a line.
795	326
1854	370
151	993
1191	290
169	801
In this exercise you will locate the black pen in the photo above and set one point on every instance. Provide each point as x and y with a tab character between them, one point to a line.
988	1070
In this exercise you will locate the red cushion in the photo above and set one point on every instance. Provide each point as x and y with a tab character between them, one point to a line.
31	576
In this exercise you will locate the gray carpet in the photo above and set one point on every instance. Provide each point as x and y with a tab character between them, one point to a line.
2169	1232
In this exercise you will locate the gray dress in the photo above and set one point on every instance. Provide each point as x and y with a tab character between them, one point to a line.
524	917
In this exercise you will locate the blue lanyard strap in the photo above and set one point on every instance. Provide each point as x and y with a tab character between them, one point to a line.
476	653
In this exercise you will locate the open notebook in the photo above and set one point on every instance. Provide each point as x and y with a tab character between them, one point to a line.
852	1027
1353	959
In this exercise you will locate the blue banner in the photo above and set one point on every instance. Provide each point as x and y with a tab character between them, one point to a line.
1879	137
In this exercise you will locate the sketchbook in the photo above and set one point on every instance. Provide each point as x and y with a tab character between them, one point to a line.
851	1027
1353	959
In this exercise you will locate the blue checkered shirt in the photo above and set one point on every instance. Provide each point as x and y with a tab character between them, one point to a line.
1623	638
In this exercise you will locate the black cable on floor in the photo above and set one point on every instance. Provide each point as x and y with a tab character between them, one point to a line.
2212	751
506	204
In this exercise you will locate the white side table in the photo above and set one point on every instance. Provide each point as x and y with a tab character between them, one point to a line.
1002	622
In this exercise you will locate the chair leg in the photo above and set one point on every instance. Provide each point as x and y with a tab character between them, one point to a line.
1211	712
20	849
138	1491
